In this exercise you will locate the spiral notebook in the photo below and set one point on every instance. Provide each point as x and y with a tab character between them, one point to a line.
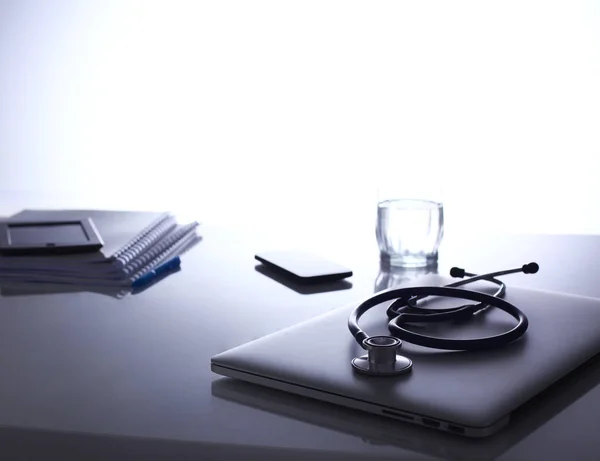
133	243
175	244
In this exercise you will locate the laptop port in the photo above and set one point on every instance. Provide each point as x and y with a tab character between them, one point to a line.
395	414
430	422
457	429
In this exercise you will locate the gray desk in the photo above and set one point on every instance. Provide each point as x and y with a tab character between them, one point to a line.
88	376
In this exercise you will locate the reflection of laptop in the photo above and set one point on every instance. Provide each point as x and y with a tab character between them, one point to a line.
468	393
382	431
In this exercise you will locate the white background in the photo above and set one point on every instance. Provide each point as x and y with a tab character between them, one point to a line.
293	111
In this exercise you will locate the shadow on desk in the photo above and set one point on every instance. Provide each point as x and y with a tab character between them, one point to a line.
382	431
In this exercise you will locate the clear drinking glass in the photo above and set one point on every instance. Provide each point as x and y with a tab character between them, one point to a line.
410	224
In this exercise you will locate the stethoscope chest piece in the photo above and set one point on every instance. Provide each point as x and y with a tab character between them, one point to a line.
382	358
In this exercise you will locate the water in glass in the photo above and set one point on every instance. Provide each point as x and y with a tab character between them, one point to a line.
409	231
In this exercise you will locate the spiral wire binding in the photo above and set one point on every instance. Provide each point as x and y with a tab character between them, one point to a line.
153	256
134	241
145	243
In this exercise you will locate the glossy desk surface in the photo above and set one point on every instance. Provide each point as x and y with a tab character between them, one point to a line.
89	376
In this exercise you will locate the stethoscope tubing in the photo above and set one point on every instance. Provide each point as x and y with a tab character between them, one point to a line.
402	305
404	294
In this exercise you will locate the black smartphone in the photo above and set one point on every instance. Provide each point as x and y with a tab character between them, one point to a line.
303	267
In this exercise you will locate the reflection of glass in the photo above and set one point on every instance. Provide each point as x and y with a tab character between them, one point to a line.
410	225
393	276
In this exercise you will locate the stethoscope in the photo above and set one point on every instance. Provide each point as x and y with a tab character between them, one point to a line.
382	358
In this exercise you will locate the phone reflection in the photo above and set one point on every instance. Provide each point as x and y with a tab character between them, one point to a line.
303	288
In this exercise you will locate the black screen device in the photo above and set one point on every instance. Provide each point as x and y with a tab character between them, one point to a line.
303	267
48	237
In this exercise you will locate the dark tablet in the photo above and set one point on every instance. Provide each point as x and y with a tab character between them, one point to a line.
48	237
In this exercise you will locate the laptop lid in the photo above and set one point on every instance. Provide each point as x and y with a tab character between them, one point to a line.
469	393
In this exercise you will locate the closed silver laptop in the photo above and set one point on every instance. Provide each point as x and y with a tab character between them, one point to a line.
467	393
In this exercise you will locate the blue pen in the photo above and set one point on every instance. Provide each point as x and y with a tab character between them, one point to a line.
157	272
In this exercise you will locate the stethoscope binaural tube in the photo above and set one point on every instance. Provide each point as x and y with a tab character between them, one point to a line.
400	305
406	296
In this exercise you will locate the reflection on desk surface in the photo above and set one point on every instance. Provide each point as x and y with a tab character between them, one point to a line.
303	288
32	288
378	430
393	277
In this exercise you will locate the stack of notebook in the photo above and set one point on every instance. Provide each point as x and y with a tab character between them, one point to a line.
135	244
